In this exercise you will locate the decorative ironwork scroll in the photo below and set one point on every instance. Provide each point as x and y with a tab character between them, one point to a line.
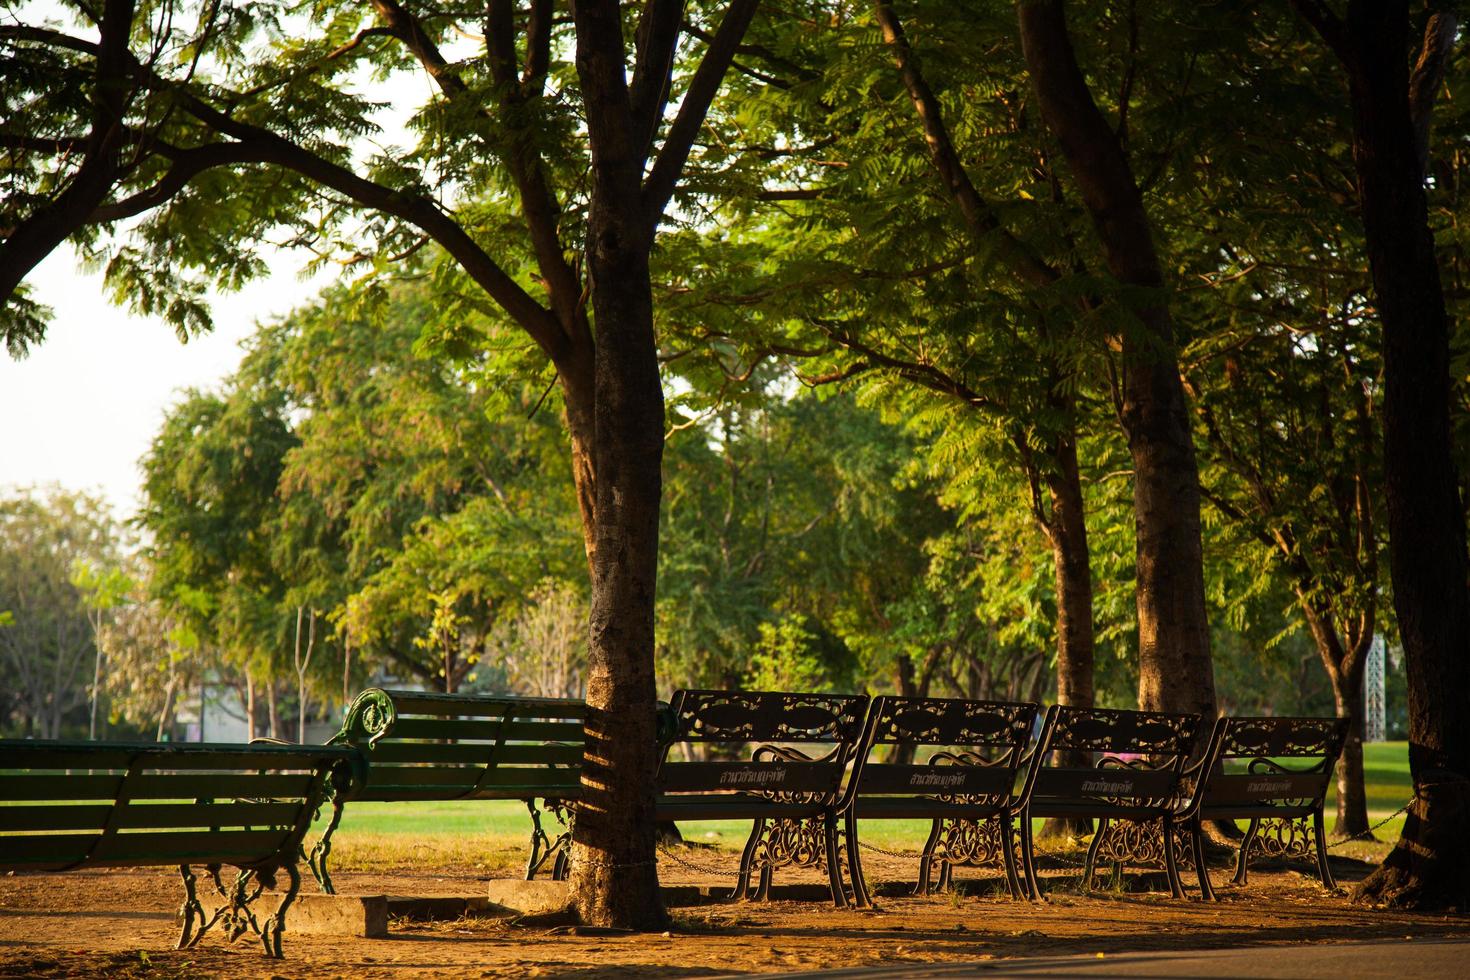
234	914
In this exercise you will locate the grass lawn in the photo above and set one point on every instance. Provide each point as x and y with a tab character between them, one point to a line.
371	830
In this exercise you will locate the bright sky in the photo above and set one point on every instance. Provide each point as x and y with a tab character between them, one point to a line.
84	406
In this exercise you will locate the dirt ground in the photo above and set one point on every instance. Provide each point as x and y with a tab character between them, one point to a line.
122	924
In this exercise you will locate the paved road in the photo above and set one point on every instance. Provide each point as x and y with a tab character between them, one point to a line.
1400	960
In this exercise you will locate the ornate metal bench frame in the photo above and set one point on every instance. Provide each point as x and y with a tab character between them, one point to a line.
1133	790
791	795
1279	800
971	783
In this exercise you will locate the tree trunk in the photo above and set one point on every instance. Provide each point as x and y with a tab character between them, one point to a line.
1344	665
615	871
249	707
1430	865
273	716
1072	563
1175	671
1352	795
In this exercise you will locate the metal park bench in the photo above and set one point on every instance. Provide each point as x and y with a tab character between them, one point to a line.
111	804
1244	780
426	746
789	785
968	787
1132	790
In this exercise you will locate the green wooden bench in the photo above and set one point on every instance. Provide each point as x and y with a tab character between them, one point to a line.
789	785
71	805
1274	772
424	746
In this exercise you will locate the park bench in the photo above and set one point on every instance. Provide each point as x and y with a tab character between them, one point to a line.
1245	780
789	784
967	787
71	805
1132	787
427	746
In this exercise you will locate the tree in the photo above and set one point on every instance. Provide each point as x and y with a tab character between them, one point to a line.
1175	671
1392	100
45	534
264	129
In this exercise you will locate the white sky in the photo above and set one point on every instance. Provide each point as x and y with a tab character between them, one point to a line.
86	403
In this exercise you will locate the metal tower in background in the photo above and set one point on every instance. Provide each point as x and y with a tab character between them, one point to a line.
1375	707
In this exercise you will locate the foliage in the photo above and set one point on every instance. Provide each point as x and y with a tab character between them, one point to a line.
47	645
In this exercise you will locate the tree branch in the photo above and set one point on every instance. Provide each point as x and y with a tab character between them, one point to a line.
659	185
977	213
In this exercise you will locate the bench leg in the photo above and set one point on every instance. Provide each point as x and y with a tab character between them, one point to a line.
196	923
1242	861
742	880
1197	839
272	929
926	860
1028	856
544	849
860	895
1008	845
1323	871
1171	863
321	850
1091	862
834	861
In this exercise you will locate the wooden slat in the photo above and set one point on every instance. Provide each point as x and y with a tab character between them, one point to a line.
176	786
40	755
465	777
454	729
474	753
679	777
59	787
151	848
429	703
878	778
156	816
409	794
53	817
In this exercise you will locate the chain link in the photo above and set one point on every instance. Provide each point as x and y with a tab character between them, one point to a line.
895	854
1369	832
688	865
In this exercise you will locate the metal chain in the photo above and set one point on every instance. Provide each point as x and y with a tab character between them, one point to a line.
1369	832
685	863
895	854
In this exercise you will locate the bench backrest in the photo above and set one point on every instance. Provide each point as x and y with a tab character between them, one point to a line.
1138	757
426	746
67	804
1246	772
981	747
825	728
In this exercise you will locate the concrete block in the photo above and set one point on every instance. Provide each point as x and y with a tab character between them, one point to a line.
339	915
529	897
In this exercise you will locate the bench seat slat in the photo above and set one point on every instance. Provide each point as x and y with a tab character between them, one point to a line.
729	807
61	817
386	752
925	807
205	846
483	706
463	729
468	776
